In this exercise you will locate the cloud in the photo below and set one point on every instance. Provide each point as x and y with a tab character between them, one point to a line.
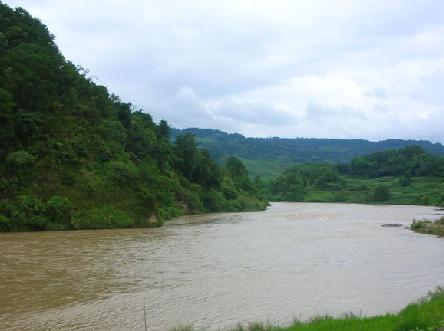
358	69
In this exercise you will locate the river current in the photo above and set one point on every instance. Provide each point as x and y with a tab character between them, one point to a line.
294	260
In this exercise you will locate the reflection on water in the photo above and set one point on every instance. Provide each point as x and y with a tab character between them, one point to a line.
214	271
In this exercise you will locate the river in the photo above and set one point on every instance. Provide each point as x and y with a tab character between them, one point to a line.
295	260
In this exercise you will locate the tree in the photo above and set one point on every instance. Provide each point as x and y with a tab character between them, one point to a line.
163	130
7	130
235	167
185	149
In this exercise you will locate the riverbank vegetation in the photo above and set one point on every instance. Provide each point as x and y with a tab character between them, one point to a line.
425	315
405	176
75	156
429	227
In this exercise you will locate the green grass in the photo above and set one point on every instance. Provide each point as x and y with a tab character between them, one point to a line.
425	315
428	314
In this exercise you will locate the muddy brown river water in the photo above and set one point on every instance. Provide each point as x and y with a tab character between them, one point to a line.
295	260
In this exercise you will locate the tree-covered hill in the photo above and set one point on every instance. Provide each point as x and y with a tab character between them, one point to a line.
74	156
404	176
268	157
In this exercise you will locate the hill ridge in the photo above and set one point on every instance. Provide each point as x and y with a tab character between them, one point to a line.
266	157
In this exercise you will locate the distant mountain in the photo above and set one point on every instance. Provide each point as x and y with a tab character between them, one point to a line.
267	157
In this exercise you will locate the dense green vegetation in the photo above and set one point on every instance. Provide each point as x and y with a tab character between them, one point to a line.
74	156
405	176
268	157
425	315
409	161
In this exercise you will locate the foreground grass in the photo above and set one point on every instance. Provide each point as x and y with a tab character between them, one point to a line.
429	227
425	315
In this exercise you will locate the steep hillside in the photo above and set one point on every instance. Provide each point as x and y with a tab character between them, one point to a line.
74	156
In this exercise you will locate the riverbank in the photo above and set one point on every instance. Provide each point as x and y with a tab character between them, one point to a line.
352	189
110	218
425	315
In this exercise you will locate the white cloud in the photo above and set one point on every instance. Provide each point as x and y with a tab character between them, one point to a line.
352	69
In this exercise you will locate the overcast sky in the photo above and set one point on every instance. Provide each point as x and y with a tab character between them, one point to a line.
328	69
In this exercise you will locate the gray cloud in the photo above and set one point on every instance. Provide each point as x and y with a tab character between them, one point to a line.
367	69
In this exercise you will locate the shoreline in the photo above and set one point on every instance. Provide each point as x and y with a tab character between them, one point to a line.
438	208
424	314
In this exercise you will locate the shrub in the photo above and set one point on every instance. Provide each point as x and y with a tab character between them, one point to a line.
5	223
59	209
30	213
20	158
381	193
101	218
122	172
228	188
213	200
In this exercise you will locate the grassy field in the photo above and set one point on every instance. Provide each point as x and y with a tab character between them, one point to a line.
421	191
425	315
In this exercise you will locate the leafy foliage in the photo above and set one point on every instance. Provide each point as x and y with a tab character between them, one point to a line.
73	155
409	161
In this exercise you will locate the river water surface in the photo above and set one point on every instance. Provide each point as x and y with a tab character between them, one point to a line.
295	260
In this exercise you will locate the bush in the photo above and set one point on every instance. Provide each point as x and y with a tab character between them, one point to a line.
213	200
59	209
29	213
416	225
122	172
193	202
170	212
20	158
228	188
101	218
5	224
381	193
20	164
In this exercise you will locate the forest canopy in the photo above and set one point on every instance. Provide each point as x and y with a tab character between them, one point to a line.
75	156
